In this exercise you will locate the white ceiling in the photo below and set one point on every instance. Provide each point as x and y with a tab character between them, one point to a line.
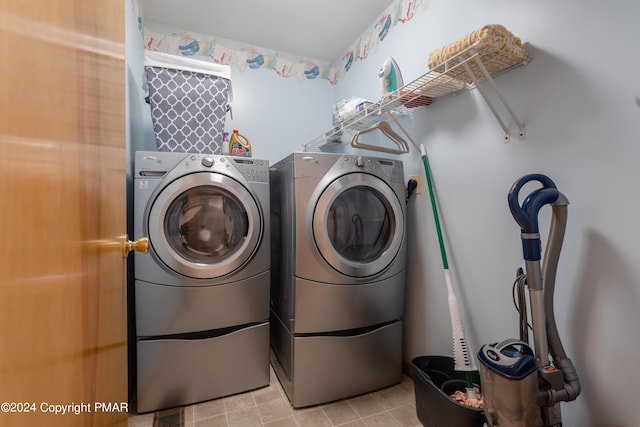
318	29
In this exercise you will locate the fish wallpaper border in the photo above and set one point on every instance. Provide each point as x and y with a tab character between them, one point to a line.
166	39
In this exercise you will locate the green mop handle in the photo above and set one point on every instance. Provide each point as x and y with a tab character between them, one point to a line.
443	253
445	263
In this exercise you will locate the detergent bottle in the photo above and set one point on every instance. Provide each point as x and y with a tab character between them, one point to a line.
239	145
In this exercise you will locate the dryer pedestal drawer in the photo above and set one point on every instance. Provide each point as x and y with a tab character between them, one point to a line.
330	367
352	306
177	372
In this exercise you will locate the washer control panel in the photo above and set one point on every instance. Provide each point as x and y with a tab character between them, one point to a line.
158	164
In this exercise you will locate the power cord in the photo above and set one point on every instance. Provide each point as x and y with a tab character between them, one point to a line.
411	187
520	303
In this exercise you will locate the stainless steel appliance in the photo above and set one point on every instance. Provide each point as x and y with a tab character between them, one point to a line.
202	292
338	274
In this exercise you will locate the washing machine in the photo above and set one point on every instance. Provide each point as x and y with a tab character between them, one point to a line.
338	274
202	291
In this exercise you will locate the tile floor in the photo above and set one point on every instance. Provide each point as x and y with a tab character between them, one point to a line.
268	406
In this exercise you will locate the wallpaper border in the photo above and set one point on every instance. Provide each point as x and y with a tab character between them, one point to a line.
229	52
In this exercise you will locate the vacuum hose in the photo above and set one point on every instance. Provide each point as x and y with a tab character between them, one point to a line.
572	386
542	284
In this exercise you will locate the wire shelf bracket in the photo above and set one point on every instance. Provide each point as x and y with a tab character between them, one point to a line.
487	100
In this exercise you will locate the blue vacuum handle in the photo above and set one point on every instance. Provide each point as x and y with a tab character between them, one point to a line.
527	215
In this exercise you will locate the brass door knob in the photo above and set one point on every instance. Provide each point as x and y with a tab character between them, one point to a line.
140	245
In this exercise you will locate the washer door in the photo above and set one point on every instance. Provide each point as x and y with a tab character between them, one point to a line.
358	225
204	225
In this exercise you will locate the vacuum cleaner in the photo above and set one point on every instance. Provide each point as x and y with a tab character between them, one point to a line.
523	386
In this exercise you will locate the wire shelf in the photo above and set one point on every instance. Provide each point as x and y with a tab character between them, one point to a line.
459	73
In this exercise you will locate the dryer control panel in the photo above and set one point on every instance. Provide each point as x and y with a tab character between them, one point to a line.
391	170
254	170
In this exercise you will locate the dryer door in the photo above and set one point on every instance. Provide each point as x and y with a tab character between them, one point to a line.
358	225
204	225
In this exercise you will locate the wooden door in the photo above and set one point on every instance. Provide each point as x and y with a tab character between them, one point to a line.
62	194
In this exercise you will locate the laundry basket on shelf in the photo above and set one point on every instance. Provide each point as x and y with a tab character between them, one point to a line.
189	101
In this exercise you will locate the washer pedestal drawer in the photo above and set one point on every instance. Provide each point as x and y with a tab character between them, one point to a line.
331	367
177	372
169	310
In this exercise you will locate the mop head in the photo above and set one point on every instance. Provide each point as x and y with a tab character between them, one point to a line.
463	361
462	357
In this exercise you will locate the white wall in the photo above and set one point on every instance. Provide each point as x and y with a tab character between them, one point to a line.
278	114
140	134
577	98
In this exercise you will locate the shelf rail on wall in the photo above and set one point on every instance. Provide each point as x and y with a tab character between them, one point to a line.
459	73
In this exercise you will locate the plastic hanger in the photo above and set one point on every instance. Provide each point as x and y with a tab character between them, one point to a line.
386	129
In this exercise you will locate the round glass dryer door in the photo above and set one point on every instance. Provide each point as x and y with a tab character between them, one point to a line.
358	225
204	225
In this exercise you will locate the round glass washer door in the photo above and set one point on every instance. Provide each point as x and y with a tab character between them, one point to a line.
358	225
204	225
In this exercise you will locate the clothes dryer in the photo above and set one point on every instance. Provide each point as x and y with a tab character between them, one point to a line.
338	274
202	291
